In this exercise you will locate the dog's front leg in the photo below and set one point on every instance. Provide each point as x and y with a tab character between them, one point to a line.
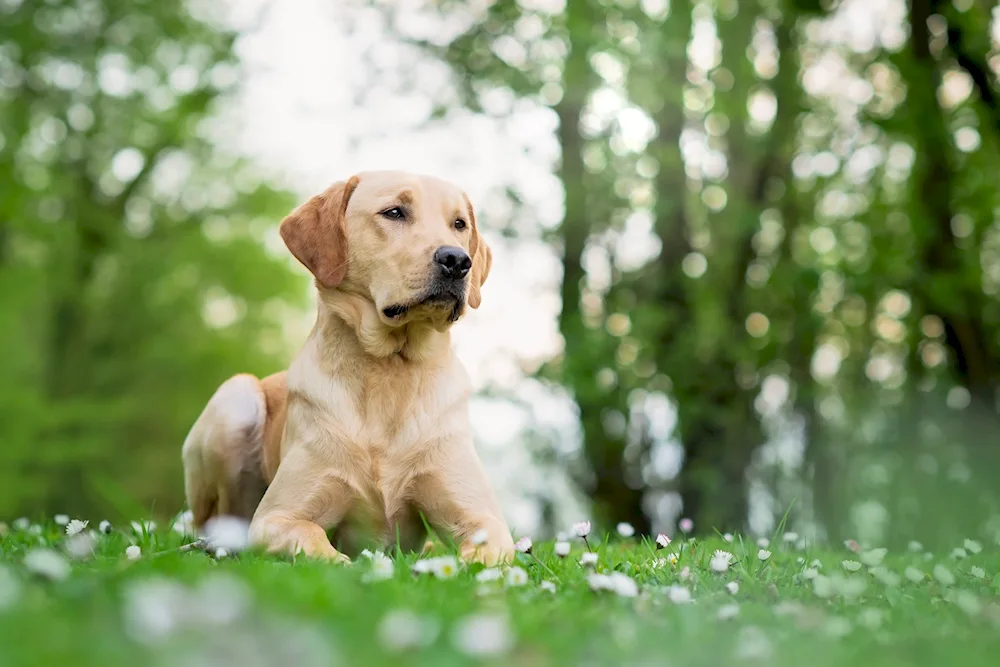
301	501
456	493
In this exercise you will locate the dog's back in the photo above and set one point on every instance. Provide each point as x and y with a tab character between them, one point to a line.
232	451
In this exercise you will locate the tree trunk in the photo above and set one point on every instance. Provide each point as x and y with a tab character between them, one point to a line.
960	305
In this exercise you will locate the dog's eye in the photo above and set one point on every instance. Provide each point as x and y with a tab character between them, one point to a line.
460	224
394	213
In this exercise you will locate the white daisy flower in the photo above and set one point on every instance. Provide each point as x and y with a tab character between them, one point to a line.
623	585
184	523
47	563
943	575
727	612
598	582
10	588
62	519
871	618
21	523
423	566
915	547
75	527
685	573
972	546
79	546
143	527
104	527
662	541
763	554
625	529
382	567
886	576
686	525
837	627
728	537
873	557
547	586
523	545
823	587
733	587
581	529
561	548
483	635
763	542
958	553
679	594
227	532
402	629
516	576
914	575
850	587
133	552
851	565
672	559
721	560
753	644
489	574
445	567
791	537
816	564
155	607
479	537
977	572
589	558
810	573
221	553
968	602
789	608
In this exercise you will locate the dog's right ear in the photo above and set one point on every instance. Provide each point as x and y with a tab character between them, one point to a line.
316	235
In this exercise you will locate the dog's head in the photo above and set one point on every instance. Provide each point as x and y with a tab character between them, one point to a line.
407	242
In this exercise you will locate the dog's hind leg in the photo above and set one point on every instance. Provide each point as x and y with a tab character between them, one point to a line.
222	453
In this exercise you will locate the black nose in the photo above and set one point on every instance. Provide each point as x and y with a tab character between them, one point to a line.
454	262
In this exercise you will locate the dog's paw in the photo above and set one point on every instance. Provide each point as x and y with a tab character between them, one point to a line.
487	554
322	552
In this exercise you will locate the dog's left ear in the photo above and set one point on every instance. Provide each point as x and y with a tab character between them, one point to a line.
482	259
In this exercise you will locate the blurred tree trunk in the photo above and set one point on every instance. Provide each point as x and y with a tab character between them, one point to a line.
668	286
614	499
723	430
971	50
955	294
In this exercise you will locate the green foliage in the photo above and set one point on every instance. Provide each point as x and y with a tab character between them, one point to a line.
133	271
790	605
853	221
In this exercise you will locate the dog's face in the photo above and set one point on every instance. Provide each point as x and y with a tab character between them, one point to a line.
407	242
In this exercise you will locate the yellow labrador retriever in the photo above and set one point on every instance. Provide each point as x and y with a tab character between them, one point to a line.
371	419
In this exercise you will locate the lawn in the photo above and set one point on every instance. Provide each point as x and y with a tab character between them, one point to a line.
81	601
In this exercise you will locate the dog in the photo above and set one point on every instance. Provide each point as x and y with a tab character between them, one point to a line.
370	423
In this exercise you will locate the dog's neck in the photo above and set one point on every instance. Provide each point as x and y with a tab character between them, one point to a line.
342	312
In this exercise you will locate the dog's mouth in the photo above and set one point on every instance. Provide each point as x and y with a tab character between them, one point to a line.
435	299
392	312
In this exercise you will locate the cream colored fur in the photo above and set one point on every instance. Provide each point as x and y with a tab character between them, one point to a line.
371	420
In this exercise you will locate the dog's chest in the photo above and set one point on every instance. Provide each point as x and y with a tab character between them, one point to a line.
396	423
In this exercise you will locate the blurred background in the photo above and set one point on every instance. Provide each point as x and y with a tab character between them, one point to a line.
747	252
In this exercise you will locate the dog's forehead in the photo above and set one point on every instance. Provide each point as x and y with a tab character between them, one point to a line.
381	185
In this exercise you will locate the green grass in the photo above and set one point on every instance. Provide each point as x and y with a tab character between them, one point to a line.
255	610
